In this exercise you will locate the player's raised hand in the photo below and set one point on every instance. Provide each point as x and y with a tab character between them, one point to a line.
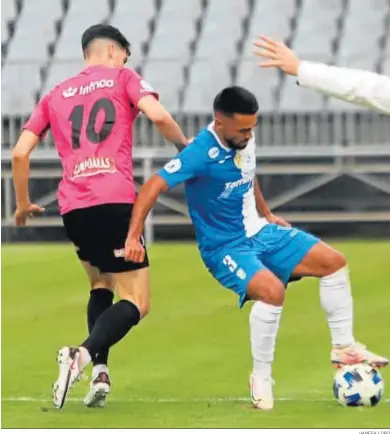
134	250
278	221
278	55
26	211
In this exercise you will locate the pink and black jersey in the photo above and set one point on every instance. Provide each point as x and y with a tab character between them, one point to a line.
91	118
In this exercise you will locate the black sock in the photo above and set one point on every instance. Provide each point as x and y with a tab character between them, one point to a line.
100	299
111	326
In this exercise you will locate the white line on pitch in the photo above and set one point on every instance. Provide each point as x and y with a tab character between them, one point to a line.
173	400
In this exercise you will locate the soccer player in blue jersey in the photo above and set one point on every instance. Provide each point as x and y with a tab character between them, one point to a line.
243	245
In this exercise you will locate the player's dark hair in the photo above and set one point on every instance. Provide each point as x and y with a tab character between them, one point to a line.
104	31
235	99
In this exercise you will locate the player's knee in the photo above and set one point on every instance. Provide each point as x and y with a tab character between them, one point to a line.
266	287
103	281
335	262
275	295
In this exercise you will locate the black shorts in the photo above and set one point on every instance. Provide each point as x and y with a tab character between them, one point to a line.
99	234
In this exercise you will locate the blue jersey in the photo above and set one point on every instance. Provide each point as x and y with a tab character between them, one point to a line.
219	190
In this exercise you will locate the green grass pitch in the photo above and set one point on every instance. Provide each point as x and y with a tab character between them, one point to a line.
187	364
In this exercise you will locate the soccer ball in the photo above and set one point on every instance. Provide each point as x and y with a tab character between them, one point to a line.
358	385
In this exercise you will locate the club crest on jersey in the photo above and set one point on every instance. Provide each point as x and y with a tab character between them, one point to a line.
94	166
238	160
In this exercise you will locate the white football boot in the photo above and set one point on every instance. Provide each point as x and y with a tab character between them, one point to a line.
261	392
68	359
356	353
98	390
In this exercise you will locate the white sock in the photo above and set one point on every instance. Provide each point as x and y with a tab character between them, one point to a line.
85	358
97	369
264	324
336	300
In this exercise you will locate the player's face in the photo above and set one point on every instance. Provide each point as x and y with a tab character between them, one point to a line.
236	130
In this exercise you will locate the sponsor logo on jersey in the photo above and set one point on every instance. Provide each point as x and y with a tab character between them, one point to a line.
89	88
230	186
145	87
173	166
71	91
213	153
94	166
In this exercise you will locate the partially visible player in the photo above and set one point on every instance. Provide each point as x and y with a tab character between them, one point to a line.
253	255
91	117
358	87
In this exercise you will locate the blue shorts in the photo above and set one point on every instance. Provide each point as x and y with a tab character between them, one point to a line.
274	248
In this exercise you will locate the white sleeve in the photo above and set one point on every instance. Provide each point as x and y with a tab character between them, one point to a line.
363	88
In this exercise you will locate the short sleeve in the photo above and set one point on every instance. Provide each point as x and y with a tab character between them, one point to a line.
39	121
190	163
136	87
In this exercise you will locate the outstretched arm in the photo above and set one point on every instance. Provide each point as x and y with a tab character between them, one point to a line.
358	87
164	122
190	163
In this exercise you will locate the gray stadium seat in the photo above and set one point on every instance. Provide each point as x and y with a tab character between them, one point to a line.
60	71
19	82
167	79
81	14
299	99
206	80
132	18
316	28
8	13
386	66
222	28
357	44
262	83
33	34
175	29
271	18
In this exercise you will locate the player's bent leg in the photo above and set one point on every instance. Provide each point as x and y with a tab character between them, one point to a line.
266	287
320	261
134	286
264	320
336	299
134	291
101	298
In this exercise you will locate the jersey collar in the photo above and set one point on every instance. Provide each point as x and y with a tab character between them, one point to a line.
210	128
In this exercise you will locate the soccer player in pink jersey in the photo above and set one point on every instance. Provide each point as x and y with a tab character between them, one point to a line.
91	118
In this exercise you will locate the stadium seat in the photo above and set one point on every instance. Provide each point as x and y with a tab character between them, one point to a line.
175	30
316	28
262	83
386	66
299	99
133	18
270	18
356	43
222	29
206	80
167	78
80	15
19	83
8	13
29	34
60	71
